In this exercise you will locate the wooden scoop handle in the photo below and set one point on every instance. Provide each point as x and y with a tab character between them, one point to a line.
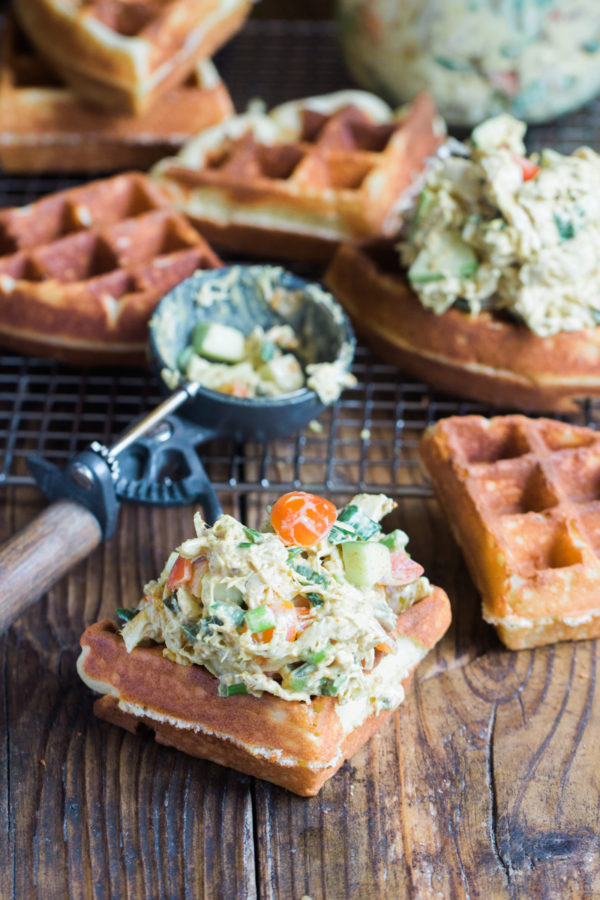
36	557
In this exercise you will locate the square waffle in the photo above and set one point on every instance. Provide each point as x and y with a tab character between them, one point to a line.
45	127
81	270
294	744
522	497
123	54
295	182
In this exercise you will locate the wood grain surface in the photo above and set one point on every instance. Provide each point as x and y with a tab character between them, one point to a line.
485	783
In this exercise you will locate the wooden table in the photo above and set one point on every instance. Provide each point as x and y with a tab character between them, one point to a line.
485	783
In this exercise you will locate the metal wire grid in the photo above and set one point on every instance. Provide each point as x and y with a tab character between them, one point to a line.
366	441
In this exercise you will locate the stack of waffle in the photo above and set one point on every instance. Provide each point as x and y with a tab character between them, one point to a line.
108	84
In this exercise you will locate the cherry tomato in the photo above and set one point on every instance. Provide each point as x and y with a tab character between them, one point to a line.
302	519
180	573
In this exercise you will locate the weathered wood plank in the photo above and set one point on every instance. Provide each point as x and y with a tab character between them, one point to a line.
485	782
91	810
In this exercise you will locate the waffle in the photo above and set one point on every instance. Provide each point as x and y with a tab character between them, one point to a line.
123	54
522	497
44	126
484	357
295	182
296	745
82	270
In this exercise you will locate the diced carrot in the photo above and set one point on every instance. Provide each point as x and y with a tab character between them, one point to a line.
236	389
383	648
302	519
180	573
528	168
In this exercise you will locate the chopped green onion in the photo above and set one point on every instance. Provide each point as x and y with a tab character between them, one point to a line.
230	690
252	534
245	544
206	625
330	687
234	613
310	575
355	518
299	676
190	629
565	227
314	598
260	619
293	552
317	656
126	615
340	533
171	603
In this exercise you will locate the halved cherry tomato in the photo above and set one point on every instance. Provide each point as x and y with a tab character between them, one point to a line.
302	519
180	573
528	168
404	569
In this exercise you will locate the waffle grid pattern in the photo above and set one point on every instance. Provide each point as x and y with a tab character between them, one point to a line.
537	478
110	245
369	438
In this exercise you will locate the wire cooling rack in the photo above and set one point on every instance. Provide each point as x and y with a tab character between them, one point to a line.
366	441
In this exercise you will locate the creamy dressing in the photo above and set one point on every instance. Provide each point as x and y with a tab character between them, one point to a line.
324	635
494	229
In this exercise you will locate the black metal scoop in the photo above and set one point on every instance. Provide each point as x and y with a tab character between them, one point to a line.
86	494
243	297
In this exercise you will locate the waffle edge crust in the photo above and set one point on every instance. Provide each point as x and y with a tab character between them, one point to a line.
295	182
481	357
522	498
124	56
296	745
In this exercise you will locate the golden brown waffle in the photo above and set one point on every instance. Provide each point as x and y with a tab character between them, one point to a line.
297	745
45	127
484	357
82	270
295	182
122	55
522	497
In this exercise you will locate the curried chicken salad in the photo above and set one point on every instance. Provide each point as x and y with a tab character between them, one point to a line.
496	229
305	607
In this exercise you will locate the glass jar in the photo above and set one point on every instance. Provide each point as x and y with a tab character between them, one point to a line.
535	59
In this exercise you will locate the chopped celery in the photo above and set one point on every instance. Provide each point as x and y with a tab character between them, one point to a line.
317	656
260	619
299	676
